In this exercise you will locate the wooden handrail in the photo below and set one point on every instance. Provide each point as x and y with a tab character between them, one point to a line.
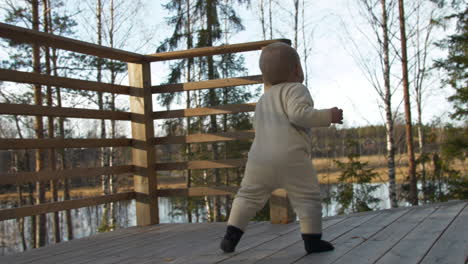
36	110
210	84
25	35
198	191
31	210
208	51
47	175
204	111
205	137
47	143
35	78
201	164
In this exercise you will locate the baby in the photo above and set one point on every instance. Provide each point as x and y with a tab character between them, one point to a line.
280	156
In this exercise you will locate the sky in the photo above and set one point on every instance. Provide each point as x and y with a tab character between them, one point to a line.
335	79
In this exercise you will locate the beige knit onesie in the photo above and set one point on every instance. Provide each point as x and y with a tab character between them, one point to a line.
280	157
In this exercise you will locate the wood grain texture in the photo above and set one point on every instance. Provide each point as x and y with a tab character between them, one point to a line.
35	110
35	78
47	175
13	143
210	84
25	35
204	111
13	213
208	51
198	191
206	137
201	164
143	151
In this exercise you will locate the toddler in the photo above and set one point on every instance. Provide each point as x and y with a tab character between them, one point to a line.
280	156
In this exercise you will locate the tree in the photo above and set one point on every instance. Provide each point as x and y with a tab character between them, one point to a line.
354	192
378	15
409	132
456	62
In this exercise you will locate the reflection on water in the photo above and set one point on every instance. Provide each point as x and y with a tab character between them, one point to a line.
86	220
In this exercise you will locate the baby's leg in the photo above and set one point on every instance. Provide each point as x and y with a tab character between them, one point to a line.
303	190
251	197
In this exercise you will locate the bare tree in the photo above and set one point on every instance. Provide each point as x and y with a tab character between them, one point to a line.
376	12
40	188
413	196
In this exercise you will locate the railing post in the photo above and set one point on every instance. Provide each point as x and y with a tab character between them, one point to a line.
143	151
281	211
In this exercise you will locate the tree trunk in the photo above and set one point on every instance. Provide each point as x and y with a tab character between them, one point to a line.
50	124
61	151
409	133
271	19
39	126
189	79
262	18
305	48
210	9
296	22
102	153
388	111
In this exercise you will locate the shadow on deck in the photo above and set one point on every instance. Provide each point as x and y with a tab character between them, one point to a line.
427	234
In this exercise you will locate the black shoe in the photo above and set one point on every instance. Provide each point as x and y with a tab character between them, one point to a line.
313	243
230	240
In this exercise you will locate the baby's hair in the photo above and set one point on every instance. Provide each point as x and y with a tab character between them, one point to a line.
277	61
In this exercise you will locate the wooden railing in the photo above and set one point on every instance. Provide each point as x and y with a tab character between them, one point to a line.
141	116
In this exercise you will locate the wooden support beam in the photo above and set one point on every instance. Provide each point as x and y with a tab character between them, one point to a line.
14	213
205	137
201	164
25	35
198	191
281	211
35	78
143	151
210	84
35	110
47	175
204	111
63	143
208	51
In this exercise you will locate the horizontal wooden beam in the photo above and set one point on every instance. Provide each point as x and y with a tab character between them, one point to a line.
201	164
31	210
35	110
210	84
204	111
205	137
25	35
47	175
63	143
208	51
35	78
198	191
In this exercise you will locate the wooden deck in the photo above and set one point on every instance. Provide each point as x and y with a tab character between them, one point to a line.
427	234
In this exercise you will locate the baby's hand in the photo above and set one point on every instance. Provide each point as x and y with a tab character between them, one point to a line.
337	115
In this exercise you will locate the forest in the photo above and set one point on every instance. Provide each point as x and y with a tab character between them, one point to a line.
402	74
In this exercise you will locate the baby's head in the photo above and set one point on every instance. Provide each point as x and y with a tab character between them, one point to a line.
279	63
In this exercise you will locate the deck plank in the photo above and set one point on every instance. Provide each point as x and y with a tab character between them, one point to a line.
452	246
256	253
377	245
420	239
427	234
356	237
297	251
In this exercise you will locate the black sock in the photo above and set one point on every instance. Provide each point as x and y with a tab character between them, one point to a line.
230	240
314	243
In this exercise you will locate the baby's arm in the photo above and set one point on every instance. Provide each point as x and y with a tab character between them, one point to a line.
301	112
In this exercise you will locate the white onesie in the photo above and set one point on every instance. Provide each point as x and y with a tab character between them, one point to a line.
280	157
